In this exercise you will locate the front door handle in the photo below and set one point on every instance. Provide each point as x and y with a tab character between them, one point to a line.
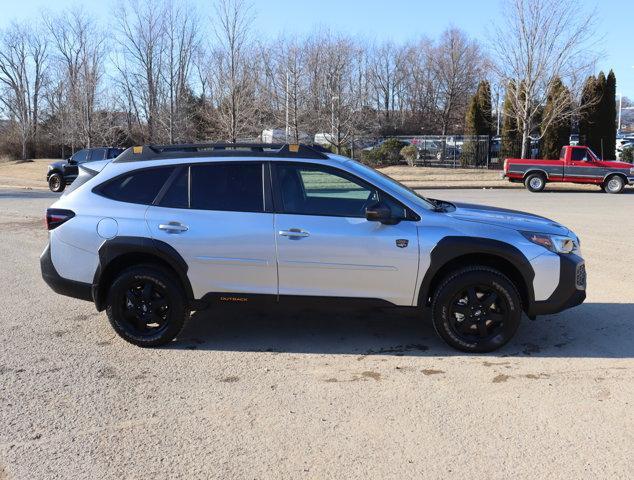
294	233
173	227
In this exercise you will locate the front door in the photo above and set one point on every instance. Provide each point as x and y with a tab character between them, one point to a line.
325	245
215	216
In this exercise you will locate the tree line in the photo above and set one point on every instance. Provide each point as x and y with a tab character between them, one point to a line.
159	71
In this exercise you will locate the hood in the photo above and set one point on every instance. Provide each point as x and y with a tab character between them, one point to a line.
512	219
615	164
58	165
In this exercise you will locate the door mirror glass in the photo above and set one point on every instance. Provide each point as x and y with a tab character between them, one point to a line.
380	213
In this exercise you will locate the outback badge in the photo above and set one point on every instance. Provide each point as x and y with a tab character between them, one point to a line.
402	242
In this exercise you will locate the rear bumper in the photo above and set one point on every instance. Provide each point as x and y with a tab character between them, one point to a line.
63	286
571	290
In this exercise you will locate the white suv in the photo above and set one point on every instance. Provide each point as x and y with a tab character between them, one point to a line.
163	231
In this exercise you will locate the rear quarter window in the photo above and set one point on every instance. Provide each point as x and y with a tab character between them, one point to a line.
141	186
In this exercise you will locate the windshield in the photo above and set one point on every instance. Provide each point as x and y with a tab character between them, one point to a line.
381	178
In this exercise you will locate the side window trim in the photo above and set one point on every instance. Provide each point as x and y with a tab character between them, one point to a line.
277	194
168	183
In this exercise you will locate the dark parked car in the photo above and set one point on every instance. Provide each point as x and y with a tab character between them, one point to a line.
64	172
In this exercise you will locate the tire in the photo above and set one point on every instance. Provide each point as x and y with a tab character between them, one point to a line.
146	307
535	182
56	183
476	310
614	184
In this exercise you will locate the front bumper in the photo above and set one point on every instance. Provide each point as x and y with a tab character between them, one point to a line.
630	180
571	290
59	284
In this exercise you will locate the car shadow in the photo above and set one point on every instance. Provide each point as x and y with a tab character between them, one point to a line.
592	330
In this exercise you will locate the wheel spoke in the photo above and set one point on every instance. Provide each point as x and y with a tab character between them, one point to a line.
488	300
462	309
482	329
130	300
496	317
473	297
147	291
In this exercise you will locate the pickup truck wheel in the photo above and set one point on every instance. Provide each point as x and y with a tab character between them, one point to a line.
476	310
146	307
56	183
614	184
535	182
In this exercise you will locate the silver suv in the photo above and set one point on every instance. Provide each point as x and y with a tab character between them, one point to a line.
162	231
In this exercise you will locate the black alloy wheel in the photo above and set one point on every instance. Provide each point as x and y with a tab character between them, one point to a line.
476	309
146	306
477	313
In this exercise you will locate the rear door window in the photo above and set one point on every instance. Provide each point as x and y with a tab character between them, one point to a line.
139	186
235	187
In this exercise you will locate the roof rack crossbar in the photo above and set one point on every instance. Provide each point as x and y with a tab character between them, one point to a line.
275	150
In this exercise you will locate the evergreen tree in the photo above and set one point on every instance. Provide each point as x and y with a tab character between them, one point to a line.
588	117
558	133
511	143
609	141
478	121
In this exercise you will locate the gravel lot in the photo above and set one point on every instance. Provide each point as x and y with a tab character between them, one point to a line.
302	394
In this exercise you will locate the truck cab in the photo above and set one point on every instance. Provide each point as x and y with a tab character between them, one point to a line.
576	164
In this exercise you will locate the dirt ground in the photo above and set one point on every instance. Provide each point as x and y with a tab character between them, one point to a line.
315	395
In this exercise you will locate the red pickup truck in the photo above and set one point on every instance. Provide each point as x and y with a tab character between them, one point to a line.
576	164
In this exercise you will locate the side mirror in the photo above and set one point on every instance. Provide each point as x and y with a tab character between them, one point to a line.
71	161
380	213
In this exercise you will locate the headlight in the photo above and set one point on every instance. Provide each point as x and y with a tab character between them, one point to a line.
554	243
50	167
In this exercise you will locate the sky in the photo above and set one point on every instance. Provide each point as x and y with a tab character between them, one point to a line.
397	20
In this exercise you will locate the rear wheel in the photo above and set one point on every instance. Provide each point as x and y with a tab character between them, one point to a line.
476	310
56	183
614	184
535	182
146	307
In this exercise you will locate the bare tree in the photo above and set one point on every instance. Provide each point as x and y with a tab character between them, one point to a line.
23	57
79	49
458	65
140	61
230	72
539	41
183	41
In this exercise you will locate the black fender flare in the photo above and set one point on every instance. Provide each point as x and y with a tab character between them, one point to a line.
451	248
116	247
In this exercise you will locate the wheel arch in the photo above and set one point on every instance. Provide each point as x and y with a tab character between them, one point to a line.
455	253
535	170
122	252
617	174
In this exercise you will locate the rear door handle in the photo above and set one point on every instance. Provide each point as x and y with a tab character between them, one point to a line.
173	227
294	233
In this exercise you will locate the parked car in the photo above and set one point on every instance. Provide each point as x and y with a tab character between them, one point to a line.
162	231
576	164
64	172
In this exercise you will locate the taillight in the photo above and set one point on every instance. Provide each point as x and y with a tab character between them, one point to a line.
56	216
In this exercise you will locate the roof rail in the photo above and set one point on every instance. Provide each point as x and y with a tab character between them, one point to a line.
202	150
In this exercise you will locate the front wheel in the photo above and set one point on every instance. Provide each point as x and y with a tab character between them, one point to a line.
535	182
476	310
56	183
614	184
146	306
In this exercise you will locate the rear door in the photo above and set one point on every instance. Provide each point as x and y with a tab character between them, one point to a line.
325	245
217	218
